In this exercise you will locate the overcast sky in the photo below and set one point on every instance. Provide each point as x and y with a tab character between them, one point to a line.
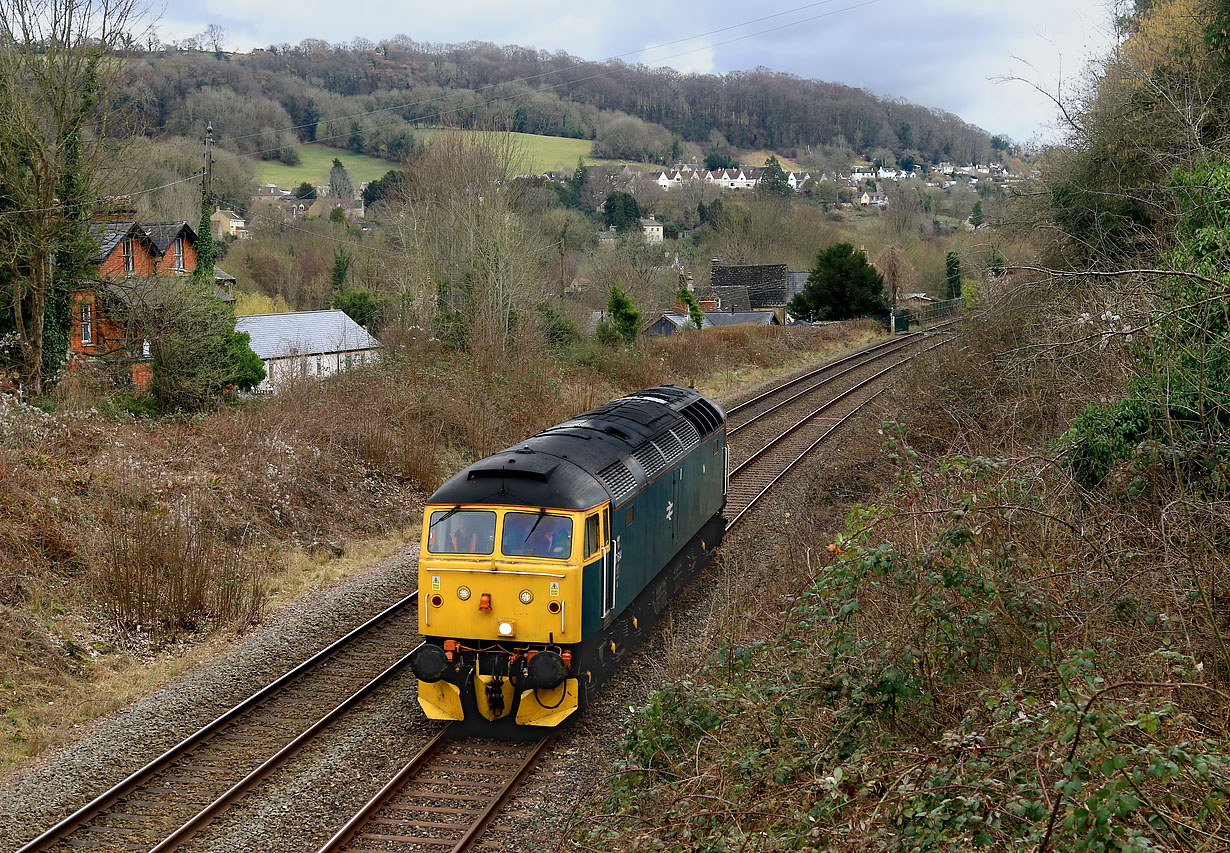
938	53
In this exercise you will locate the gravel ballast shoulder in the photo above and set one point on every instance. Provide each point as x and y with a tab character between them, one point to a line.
301	804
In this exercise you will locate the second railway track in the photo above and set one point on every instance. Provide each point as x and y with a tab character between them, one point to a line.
444	798
448	794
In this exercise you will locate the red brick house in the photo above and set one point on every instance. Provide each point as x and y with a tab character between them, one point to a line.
128	253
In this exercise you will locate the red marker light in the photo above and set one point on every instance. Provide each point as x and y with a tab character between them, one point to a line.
484	601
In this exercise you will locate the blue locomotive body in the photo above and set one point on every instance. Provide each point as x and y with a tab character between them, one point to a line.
631	495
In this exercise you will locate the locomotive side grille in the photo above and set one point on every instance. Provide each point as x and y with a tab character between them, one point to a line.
687	436
651	458
619	480
670	445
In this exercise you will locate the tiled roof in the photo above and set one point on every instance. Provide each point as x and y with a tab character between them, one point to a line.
738	318
765	283
163	234
304	333
108	235
796	280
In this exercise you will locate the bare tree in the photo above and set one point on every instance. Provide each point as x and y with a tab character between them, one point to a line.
898	273
461	255
58	64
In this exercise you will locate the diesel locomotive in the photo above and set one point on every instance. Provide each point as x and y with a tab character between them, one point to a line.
541	565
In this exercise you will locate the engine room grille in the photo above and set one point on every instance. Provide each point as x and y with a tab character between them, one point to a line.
651	458
619	481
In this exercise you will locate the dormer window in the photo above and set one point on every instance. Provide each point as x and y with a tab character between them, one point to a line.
179	253
129	260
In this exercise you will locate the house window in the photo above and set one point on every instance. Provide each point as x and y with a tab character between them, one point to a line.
129	262
145	348
179	253
87	324
320	366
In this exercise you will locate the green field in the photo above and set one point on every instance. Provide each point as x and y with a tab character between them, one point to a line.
543	154
316	160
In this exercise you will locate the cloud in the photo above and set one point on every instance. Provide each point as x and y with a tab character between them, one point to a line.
939	53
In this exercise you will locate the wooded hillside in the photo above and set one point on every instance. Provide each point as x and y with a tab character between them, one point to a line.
329	92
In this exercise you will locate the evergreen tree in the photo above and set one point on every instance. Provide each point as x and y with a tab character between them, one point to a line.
204	271
975	217
622	211
720	160
340	184
841	285
774	180
305	192
625	317
952	271
360	305
341	269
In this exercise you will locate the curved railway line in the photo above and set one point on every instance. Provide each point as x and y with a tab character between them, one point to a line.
448	794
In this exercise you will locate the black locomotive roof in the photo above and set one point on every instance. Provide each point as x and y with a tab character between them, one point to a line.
607	453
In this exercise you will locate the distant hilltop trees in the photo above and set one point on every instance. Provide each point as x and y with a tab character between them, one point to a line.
274	98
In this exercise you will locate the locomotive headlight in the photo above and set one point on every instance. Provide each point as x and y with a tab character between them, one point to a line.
463	592
505	629
526	596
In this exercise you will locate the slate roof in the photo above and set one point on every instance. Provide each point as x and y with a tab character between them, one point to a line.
108	235
729	298
304	333
163	234
766	283
796	280
738	318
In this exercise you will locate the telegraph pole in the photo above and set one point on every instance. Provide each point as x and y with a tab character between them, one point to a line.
208	175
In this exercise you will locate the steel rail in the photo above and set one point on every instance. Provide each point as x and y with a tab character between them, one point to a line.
205	815
390	790
804	421
418	764
900	346
108	798
826	367
777	389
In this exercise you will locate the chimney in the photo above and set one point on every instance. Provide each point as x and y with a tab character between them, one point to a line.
714	264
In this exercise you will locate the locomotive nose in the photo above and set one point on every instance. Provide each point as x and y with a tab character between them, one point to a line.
429	663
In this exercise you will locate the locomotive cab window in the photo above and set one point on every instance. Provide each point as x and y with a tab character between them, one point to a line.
536	534
591	536
461	532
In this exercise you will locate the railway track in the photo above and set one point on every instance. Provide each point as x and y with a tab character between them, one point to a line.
448	794
421	808
443	799
173	796
759	472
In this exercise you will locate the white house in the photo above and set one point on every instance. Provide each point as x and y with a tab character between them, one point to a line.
300	344
652	229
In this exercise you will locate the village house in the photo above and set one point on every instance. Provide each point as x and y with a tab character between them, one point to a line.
228	223
130	256
303	344
727	179
652	229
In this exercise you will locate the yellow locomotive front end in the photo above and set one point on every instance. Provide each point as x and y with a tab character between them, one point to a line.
499	607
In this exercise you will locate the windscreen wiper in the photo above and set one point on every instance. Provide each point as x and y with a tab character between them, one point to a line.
445	517
541	515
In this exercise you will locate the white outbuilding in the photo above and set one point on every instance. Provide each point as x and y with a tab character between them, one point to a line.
302	344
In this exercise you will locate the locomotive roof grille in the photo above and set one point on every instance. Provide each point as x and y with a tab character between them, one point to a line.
702	416
619	480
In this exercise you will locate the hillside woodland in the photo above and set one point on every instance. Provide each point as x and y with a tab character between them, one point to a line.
369	98
1018	638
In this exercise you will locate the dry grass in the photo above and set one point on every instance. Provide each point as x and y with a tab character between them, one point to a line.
982	655
188	527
